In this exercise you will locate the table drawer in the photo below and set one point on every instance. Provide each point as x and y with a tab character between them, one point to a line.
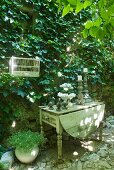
49	119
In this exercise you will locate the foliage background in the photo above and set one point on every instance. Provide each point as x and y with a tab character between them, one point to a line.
36	29
100	24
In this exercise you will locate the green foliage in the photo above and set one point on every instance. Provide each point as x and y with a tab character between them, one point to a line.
108	90
2	167
43	38
2	149
36	29
102	15
26	140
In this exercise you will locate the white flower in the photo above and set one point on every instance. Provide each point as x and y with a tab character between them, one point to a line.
62	94
66	85
59	94
66	89
71	95
60	74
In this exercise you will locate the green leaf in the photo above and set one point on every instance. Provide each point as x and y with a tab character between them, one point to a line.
88	24
72	2
44	82
111	10
85	33
8	2
86	4
66	10
79	6
20	93
102	3
3	7
50	42
65	2
60	5
93	31
98	22
5	94
6	109
105	15
1	84
112	21
100	33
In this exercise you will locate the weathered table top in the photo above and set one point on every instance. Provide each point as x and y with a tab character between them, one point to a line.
70	109
78	120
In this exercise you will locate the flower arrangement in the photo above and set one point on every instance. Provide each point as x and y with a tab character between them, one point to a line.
66	92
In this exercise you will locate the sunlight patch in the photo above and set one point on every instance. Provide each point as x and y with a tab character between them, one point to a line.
75	153
13	124
33	153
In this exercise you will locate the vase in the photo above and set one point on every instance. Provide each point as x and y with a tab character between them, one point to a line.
28	156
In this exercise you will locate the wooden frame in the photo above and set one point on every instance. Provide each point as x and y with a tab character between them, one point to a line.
24	67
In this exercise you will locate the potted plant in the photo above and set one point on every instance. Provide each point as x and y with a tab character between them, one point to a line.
2	166
26	145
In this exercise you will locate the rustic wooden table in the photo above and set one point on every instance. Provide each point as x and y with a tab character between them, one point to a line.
78	121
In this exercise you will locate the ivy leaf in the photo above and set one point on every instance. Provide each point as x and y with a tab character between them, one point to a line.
88	24
100	33
105	15
72	2
44	82
1	84
102	3
112	21
5	94
50	42
8	2
3	7
93	31
6	109
111	10
98	22
79	6
60	5
86	4
85	33
66	10
20	93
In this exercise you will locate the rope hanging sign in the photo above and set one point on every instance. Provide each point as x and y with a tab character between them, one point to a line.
24	67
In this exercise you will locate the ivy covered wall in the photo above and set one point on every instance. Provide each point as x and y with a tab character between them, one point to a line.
36	29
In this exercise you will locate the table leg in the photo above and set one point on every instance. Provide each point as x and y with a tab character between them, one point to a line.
59	139
41	126
59	144
100	130
42	131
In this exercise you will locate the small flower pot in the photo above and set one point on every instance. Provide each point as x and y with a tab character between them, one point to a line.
28	156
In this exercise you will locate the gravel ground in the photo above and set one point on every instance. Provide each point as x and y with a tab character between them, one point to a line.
77	155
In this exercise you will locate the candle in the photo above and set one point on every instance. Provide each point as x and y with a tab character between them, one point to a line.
80	78
85	70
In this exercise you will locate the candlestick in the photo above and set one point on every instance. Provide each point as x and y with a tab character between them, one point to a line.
58	105
51	103
86	95
80	99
